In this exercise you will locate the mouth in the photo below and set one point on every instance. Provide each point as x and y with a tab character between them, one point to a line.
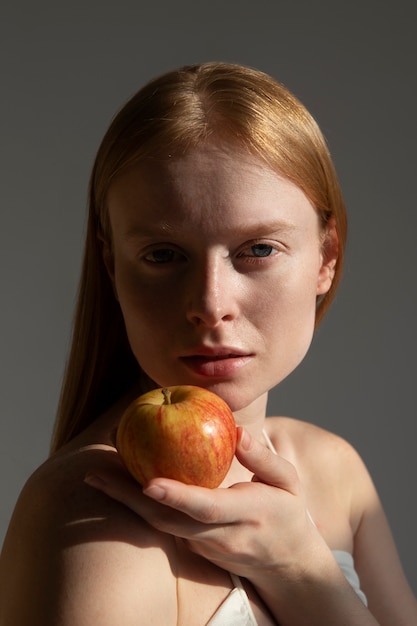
216	352
218	363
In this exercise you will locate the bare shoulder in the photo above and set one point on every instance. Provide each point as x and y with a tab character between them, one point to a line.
331	469
64	534
306	441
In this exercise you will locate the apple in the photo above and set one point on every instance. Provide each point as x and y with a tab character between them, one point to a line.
184	432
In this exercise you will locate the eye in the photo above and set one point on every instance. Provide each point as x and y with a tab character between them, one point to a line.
162	255
259	251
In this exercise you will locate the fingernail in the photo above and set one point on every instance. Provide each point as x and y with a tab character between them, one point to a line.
155	492
245	440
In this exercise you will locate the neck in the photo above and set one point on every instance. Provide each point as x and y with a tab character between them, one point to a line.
252	417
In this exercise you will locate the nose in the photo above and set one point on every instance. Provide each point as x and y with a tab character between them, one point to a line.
212	292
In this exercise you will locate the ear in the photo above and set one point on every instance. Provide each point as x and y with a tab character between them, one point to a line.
329	256
108	258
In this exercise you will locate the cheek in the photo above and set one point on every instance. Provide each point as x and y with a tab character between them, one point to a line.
139	306
143	313
294	293
289	311
151	312
148	332
133	291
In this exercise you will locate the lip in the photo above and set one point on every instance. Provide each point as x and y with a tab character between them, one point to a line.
217	362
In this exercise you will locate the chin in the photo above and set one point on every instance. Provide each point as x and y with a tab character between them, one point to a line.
237	394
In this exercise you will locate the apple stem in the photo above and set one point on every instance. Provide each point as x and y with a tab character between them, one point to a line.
167	396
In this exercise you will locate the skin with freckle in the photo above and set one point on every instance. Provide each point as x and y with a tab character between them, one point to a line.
211	221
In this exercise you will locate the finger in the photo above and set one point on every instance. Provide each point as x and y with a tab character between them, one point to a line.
169	506
208	506
266	466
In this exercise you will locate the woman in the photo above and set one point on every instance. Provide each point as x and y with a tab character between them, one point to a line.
214	247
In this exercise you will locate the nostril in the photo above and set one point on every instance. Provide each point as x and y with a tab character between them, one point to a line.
209	317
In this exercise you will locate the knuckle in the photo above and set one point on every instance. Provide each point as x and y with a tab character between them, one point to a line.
210	513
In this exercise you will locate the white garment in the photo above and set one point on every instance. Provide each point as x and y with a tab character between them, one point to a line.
236	609
347	565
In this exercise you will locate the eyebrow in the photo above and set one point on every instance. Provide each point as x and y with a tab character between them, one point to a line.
249	229
268	227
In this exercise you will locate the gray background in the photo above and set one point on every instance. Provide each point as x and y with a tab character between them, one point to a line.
67	67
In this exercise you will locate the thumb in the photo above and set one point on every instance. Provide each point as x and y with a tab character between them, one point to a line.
267	466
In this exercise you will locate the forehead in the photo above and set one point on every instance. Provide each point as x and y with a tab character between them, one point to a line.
206	183
199	165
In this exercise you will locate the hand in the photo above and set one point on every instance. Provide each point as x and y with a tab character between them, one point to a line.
249	528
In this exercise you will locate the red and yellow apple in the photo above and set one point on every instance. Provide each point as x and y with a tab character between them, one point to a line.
184	432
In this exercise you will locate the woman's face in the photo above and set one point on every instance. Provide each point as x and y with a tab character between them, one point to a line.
216	262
